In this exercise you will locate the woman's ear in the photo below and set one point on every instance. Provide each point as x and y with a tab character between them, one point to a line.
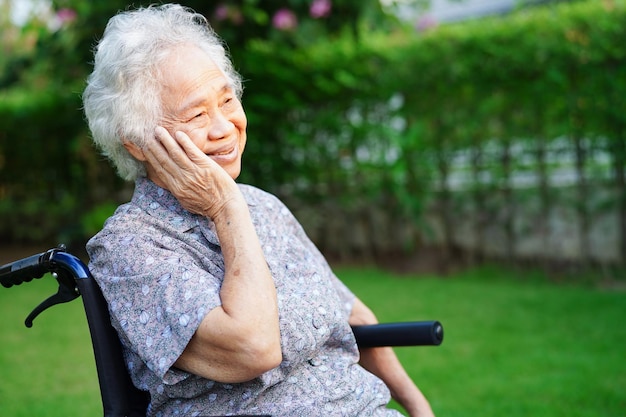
135	151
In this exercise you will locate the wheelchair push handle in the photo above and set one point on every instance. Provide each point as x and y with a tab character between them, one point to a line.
23	270
36	266
416	333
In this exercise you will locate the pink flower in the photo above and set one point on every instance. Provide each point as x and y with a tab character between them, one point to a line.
65	16
228	13
221	13
284	19
320	8
426	22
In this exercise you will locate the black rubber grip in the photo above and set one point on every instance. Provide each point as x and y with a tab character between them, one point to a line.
23	270
417	333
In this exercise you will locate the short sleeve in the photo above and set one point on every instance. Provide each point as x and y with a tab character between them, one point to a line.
157	294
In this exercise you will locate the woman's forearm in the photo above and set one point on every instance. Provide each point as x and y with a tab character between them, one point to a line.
384	363
248	293
240	339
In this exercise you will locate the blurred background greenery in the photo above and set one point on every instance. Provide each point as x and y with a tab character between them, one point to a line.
415	143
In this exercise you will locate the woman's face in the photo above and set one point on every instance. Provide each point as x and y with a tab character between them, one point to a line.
198	99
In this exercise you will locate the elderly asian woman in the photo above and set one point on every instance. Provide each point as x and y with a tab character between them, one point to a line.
222	303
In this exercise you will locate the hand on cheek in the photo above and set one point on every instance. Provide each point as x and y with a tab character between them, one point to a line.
176	164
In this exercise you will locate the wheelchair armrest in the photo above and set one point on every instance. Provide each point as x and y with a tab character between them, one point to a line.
415	333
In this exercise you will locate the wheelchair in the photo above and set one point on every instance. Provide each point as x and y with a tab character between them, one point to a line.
120	398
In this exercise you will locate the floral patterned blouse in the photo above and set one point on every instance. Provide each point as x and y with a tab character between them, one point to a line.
160	269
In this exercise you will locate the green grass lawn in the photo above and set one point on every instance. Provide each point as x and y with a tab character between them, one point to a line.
513	346
47	370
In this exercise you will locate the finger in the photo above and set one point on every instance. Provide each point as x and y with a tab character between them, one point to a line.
161	159
155	152
171	146
193	152
182	149
187	145
173	156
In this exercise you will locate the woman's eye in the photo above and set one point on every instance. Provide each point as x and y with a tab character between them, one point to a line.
193	117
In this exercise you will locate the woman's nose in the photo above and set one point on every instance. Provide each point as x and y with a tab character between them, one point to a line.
220	127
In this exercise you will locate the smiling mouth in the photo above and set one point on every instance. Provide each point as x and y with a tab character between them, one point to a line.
222	153
226	154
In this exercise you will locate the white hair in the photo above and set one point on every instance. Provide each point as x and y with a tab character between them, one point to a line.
122	98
